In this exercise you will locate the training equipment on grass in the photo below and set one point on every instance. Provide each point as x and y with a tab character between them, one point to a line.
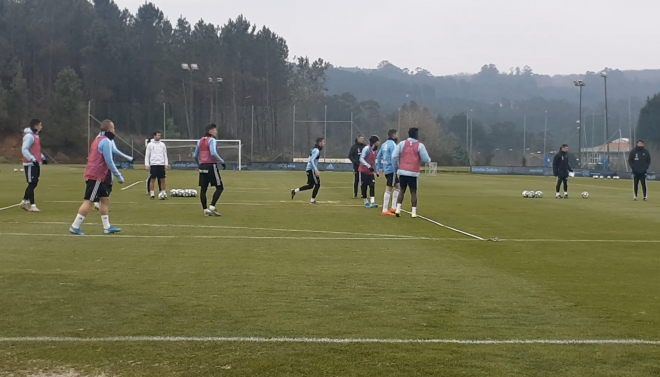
183	193
183	151
538	194
525	194
585	195
162	195
15	170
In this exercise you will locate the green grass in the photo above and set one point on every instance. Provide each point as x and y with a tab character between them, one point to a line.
272	267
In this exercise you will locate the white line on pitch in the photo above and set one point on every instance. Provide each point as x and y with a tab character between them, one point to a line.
131	339
447	227
15	205
390	238
237	227
131	185
589	241
80	201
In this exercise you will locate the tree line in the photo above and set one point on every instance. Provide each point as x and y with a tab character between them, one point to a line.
59	58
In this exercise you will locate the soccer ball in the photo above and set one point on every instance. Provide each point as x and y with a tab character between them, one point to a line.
194	193
538	194
162	196
525	194
585	195
15	170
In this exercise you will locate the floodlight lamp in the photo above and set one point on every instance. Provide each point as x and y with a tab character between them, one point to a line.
210	80
194	67
185	66
603	74
219	80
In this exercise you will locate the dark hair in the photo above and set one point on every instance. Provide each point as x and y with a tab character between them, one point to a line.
157	132
34	122
413	132
358	136
391	132
318	140
564	145
640	141
373	139
210	127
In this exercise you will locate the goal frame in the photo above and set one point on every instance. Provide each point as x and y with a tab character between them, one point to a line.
237	142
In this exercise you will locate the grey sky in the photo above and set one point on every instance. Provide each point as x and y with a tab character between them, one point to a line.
450	36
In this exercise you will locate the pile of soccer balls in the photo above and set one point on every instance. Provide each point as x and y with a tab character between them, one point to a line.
179	193
532	194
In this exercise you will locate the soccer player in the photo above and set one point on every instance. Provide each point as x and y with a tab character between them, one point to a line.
108	178
155	160
384	165
313	175
32	160
98	163
407	160
354	156
149	174
367	171
639	161
206	156
561	169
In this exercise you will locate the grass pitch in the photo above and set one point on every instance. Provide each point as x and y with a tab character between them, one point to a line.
275	268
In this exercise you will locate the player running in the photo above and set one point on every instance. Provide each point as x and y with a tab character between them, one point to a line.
384	166
367	171
561	169
32	160
108	178
155	160
312	170
99	162
206	156
407	160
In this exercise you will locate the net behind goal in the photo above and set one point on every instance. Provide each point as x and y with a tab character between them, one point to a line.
183	151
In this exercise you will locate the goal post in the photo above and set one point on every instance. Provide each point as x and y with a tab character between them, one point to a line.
181	152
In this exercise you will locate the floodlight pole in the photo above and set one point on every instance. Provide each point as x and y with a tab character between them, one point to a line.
325	131
581	85
545	133
607	123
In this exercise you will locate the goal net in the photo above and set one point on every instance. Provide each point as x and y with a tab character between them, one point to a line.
432	168
181	152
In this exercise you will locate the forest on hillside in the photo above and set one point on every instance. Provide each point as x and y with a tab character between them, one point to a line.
61	59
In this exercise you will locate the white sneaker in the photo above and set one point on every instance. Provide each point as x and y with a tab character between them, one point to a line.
25	205
214	212
207	212
34	209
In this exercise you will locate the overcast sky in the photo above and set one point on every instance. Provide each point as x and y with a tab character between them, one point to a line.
450	36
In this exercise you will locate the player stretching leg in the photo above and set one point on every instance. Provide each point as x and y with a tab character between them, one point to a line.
108	178
313	175
384	165
367	166
32	160
407	160
206	156
155	160
561	169
98	163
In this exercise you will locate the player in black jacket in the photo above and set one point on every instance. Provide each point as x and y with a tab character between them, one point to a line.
639	161
560	169
354	156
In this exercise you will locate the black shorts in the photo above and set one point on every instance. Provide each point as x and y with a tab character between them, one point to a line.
157	171
408	182
209	175
392	179
367	179
32	173
108	180
95	190
312	179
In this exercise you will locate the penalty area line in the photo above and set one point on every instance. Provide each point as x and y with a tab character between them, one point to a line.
448	227
15	205
133	339
131	185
